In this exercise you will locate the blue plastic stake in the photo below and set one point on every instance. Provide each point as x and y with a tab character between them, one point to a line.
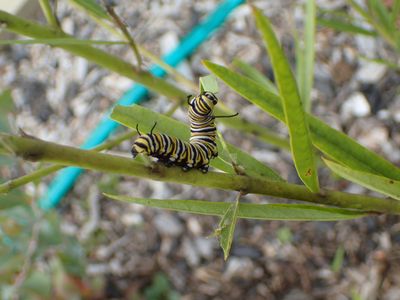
66	178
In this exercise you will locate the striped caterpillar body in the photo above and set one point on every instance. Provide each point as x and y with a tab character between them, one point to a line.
196	153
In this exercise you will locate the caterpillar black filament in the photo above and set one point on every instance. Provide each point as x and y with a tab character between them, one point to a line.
196	153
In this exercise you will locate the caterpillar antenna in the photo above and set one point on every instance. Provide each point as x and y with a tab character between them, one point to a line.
154	126
137	129
229	116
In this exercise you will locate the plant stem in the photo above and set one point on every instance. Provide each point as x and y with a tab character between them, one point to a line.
48	13
38	150
100	57
42	172
125	31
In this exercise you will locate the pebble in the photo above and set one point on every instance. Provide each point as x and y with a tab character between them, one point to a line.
190	252
168	224
296	294
239	267
331	4
356	105
371	72
205	246
392	294
375	137
194	226
132	219
366	45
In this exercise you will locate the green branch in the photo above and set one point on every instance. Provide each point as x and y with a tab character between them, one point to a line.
100	57
49	14
42	172
38	150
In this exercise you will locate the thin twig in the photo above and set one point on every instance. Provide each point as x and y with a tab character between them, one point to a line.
42	172
32	246
50	13
124	28
37	150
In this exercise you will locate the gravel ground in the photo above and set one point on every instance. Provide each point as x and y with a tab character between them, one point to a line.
60	98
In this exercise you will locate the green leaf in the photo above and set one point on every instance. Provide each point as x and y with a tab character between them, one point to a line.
253	73
331	142
381	14
263	134
38	284
376	183
300	141
61	42
337	262
291	212
92	7
6	107
209	84
14	198
305	72
133	115
344	26
226	227
284	235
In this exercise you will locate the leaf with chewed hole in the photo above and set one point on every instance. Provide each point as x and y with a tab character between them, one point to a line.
131	116
293	212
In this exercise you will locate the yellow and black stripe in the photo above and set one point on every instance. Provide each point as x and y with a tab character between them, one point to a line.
196	153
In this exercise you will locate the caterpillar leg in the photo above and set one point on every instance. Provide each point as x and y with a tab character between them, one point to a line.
204	169
134	152
187	167
168	163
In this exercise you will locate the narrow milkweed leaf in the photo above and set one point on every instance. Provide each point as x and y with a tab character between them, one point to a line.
373	182
344	26
263	134
226	227
335	144
305	55
208	83
92	7
253	73
291	212
131	116
61	41
300	140
382	15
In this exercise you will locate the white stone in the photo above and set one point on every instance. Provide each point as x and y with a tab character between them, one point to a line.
132	219
238	267
168	224
205	246
371	72
356	105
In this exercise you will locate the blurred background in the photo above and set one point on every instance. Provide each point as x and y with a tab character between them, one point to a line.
90	247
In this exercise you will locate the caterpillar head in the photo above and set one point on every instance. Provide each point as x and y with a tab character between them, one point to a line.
203	103
141	146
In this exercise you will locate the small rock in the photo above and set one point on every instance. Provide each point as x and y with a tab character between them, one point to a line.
356	105
81	67
168	224
132	219
194	226
375	137
371	72
205	247
296	294
239	267
366	45
392	293
190	252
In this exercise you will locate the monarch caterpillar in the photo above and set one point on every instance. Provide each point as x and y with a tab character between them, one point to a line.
196	153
